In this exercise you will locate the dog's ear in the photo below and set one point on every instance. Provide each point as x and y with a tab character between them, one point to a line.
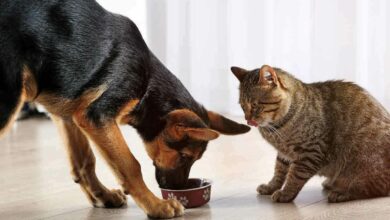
239	72
202	134
226	126
183	122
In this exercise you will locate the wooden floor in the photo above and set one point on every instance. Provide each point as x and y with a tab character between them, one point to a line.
35	182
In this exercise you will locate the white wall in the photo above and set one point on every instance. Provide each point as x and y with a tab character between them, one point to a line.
314	39
133	9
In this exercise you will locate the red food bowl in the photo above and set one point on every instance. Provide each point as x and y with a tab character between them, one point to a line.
197	193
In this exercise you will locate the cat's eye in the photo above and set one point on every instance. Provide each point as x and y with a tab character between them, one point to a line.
270	110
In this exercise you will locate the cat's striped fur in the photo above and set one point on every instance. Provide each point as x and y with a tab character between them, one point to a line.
334	129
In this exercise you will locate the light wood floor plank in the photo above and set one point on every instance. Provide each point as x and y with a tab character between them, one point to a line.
35	182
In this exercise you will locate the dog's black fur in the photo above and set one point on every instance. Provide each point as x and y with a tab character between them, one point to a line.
74	45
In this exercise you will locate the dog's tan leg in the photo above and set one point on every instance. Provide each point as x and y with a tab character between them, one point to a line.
83	167
113	147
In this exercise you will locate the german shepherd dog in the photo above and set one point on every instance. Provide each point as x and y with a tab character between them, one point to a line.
92	71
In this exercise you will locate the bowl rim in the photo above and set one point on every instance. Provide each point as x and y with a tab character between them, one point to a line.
208	181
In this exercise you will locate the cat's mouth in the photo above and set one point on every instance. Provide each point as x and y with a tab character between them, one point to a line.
255	123
252	123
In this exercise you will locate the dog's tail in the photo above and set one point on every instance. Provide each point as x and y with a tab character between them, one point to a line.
12	94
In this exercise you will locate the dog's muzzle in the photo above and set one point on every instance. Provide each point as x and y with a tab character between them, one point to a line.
173	179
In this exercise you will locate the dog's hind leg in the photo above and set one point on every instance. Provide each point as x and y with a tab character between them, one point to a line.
83	167
12	93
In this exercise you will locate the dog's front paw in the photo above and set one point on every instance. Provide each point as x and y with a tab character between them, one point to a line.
282	196
265	189
110	199
166	209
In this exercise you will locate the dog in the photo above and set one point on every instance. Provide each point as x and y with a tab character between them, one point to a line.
92	71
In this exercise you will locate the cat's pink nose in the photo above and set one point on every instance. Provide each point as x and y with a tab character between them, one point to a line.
252	123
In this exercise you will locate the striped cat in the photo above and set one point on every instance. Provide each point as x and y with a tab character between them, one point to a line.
334	129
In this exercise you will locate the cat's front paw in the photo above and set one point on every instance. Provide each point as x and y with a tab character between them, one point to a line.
282	196
265	189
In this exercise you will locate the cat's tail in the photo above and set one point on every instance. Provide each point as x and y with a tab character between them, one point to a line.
12	94
387	174
370	185
388	182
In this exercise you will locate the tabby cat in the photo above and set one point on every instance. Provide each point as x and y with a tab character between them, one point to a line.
334	129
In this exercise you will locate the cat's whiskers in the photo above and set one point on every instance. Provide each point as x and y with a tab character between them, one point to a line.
275	131
271	132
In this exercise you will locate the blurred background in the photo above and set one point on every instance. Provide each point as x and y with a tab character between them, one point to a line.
316	40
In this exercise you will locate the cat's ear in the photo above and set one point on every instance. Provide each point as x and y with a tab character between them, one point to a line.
239	72
267	76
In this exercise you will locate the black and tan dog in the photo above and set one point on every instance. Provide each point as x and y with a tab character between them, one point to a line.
92	70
